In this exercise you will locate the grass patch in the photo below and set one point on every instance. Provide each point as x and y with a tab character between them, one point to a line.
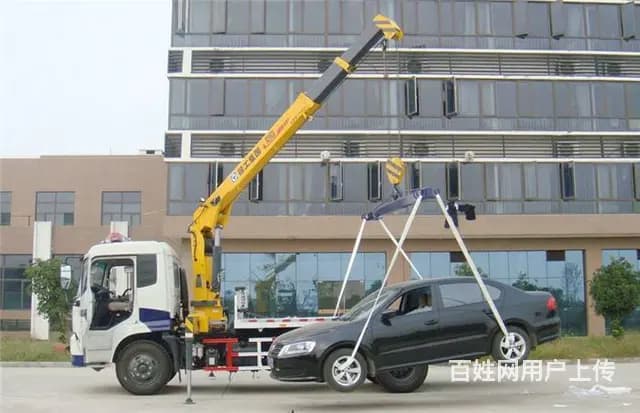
25	349
589	347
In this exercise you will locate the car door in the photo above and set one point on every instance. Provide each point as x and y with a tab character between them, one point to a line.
404	332
466	321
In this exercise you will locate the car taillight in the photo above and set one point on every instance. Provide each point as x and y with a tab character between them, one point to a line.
552	305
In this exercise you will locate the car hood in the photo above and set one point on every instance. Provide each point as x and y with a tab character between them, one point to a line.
312	331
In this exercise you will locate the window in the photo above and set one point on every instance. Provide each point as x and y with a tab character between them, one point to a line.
541	181
219	16
453	180
567	180
205	97
257	16
15	293
5	208
255	188
147	270
636	179
121	206
504	181
335	181
56	207
520	11
457	294
414	178
628	21
614	181
537	19
416	301
449	101
411	100
374	180
558	19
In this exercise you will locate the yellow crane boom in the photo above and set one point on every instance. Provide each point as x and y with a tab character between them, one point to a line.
212	214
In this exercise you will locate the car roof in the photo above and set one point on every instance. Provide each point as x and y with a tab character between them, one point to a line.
407	285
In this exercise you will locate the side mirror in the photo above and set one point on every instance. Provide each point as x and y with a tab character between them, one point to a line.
65	276
387	316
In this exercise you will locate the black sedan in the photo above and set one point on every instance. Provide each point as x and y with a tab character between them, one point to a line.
416	323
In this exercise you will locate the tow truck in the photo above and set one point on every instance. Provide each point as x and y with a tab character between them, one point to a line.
134	308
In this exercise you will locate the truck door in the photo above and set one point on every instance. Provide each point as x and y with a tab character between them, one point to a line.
81	316
107	301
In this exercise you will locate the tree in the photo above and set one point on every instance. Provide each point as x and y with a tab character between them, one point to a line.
54	302
464	270
615	289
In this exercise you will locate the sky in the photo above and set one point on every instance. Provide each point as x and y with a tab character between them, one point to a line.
83	76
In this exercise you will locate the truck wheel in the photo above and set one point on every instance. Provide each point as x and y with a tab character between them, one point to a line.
144	368
344	379
403	380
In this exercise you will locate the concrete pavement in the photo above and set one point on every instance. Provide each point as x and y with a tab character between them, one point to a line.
28	390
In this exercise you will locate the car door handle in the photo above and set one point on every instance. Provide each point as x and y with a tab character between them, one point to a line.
430	322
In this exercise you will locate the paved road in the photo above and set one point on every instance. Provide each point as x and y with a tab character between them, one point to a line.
69	390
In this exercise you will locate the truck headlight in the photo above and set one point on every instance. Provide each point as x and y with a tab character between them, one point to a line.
296	349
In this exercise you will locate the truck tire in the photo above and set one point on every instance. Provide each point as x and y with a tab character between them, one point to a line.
144	367
344	381
403	380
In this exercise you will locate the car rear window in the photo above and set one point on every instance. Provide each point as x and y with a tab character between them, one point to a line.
457	294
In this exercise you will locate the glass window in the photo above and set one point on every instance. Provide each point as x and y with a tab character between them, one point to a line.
465	18
472	182
453	180
276	16
636	176
567	179
487	99
609	21
469	98
238	12
352	16
313	17
608	99
257	16
56	207
427	17
501	18
615	181
374	179
504	181
177	92
457	294
219	17
585	188
354	98
235	101
199	16
572	99
538	19
541	181
121	206
335	181
575	20
429	92
506	100
535	99
446	18
147	270
5	208
633	99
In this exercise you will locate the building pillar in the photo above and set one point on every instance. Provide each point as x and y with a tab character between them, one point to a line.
593	261
42	231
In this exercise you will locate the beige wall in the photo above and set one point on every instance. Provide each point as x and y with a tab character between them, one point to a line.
88	176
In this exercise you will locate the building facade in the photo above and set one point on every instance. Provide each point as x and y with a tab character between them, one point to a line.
530	110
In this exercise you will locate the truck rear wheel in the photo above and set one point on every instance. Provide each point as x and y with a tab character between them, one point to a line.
144	368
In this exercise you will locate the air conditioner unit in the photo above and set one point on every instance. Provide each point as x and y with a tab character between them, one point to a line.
351	149
419	149
414	66
566	149
216	65
227	149
563	68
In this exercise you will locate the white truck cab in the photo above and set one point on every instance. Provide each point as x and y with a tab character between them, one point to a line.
128	290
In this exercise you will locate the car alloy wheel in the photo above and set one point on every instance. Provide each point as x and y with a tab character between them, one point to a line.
346	375
515	349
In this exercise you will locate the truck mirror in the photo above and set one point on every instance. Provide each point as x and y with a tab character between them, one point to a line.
65	276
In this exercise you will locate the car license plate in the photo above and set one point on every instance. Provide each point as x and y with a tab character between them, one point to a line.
270	362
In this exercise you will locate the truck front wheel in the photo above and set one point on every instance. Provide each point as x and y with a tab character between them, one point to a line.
144	367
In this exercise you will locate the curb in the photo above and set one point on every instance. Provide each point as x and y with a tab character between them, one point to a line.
35	364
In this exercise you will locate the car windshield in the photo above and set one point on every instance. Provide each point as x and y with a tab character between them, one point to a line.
363	307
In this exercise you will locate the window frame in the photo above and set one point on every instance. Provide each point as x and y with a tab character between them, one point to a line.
122	203
56	205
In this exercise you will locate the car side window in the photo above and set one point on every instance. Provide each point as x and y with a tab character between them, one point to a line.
457	294
412	302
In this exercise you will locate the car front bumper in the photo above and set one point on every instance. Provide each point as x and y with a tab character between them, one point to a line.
301	368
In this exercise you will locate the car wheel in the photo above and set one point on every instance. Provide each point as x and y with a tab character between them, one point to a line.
403	380
343	377
144	368
516	351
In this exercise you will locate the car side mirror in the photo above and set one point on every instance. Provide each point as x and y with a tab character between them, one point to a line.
65	276
387	316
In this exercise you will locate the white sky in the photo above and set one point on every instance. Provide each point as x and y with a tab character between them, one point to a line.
83	76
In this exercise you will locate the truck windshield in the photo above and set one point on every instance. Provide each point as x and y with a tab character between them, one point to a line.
363	307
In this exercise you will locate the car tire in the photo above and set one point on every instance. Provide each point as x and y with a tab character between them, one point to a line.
501	350
373	379
344	381
144	368
403	380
